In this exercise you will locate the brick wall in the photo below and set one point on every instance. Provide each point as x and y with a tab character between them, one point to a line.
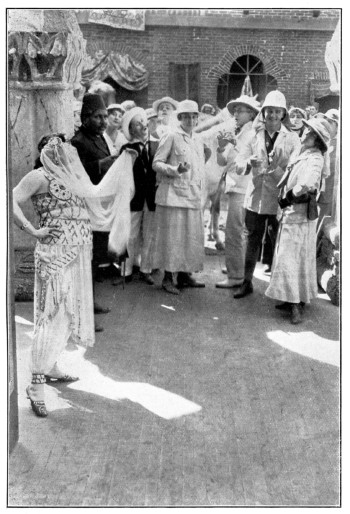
239	13
296	56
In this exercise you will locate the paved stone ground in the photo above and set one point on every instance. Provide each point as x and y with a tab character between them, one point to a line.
196	400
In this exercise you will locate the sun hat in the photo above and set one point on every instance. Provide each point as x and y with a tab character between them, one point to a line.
127	117
302	112
208	106
187	106
320	127
249	101
166	99
273	99
92	103
151	113
118	107
128	104
332	115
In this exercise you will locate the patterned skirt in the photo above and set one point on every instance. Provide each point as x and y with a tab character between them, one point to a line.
293	277
63	301
179	239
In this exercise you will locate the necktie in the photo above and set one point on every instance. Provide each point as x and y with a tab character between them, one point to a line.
144	155
270	141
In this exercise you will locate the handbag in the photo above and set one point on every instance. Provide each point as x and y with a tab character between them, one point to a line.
312	211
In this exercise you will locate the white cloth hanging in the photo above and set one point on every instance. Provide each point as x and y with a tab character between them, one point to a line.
108	202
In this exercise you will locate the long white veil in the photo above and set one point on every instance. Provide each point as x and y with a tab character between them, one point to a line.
108	202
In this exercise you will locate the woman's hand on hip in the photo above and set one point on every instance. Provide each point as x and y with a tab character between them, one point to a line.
52	231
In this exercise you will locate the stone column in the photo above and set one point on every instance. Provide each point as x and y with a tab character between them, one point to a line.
46	50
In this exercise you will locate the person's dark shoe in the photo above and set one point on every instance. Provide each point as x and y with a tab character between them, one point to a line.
285	306
295	317
169	287
146	277
186	280
98	309
98	328
245	289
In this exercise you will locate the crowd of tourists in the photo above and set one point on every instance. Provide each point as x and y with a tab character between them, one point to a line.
128	190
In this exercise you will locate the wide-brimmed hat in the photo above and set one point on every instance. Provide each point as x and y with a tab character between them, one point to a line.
127	117
117	107
92	103
187	106
332	115
302	112
165	99
128	104
319	126
249	101
151	113
208	106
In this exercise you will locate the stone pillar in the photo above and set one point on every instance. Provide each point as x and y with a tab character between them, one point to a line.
46	50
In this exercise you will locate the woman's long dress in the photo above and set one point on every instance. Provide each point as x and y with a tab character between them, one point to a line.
63	298
293	277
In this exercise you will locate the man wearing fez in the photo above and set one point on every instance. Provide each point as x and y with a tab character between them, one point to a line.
96	158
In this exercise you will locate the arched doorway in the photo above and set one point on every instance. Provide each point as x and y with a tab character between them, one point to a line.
230	84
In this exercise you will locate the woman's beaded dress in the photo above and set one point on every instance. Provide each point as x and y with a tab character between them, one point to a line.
63	301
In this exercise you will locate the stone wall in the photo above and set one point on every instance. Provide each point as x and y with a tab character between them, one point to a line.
45	57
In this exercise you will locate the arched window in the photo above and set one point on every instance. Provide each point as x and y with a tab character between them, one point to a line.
230	85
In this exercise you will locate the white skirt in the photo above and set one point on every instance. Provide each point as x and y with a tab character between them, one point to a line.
179	239
63	302
293	276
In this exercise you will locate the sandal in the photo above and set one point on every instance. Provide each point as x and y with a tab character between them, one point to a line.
63	378
39	407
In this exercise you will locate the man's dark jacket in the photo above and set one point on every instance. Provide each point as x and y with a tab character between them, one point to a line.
144	178
92	149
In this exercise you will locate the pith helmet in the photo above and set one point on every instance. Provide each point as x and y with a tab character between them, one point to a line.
275	99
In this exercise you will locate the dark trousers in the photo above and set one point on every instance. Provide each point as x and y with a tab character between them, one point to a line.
256	225
99	252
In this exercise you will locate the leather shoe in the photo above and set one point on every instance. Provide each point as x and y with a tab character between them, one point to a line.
98	309
245	289
98	328
185	280
146	277
285	306
295	314
229	283
169	287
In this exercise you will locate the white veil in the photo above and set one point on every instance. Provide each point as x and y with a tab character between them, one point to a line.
108	202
